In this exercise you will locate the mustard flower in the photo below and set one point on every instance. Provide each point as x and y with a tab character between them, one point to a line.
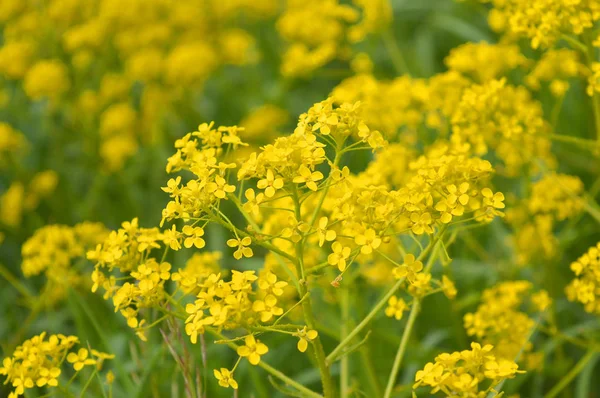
305	336
324	233
80	359
253	349
270	184
225	377
409	269
242	247
368	241
308	177
395	308
194	237
339	256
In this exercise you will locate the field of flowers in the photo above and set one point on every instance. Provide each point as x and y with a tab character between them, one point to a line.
300	198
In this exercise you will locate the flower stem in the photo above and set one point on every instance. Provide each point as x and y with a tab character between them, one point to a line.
305	391
344	368
568	378
382	301
326	380
402	348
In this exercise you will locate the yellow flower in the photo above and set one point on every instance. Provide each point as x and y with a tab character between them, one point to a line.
242	247
421	223
219	187
80	359
368	241
448	287
267	308
225	377
396	307
409	269
324	233
252	350
305	336
339	256
308	177
194	237
271	183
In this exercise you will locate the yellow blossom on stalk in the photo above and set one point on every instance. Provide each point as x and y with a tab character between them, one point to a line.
253	349
194	237
339	256
396	308
270	184
324	233
553	198
409	269
308	177
556	67
48	78
305	335
544	21
498	59
53	251
501	321
505	119
267	308
225	377
37	362
584	288
80	359
368	241
242	247
11	205
12	144
472	373
448	287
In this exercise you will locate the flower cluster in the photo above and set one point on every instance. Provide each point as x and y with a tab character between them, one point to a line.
143	277
52	51
543	21
555	67
468	373
553	198
499	59
246	300
503	118
332	28
585	288
54	250
501	321
37	362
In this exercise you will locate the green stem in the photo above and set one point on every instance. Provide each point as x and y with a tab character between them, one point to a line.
382	301
389	40
87	384
581	142
307	392
279	255
6	274
590	57
568	378
328	388
344	364
402	348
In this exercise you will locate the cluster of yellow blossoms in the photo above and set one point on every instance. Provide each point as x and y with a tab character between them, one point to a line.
468	373
543	22
501	321
54	250
37	362
332	29
147	47
553	198
585	288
